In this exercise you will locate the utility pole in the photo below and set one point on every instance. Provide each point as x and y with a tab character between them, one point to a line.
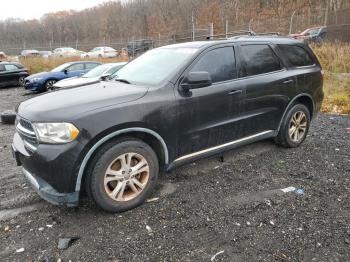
226	29
193	28
291	22
211	30
250	25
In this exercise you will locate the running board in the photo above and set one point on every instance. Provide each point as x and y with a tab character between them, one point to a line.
220	148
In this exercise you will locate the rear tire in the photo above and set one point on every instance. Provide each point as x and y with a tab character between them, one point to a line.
21	81
294	127
122	175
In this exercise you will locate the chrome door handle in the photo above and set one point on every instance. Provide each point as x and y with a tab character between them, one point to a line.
235	92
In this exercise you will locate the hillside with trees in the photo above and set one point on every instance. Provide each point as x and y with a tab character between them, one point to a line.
165	19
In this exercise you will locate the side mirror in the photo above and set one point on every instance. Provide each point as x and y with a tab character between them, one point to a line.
65	71
104	76
196	80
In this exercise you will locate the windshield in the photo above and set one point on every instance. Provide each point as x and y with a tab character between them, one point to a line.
154	66
312	31
97	71
60	68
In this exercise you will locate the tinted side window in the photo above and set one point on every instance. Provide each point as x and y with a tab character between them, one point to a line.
2	68
296	55
258	59
11	67
220	63
90	66
75	67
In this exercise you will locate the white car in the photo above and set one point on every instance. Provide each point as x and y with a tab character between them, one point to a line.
67	52
45	54
102	51
95	75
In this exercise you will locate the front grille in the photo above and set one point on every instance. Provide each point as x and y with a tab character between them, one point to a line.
26	124
26	131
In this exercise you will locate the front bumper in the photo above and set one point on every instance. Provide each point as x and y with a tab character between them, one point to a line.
50	169
33	86
51	195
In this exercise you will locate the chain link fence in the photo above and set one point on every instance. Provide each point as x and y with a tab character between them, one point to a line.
337	22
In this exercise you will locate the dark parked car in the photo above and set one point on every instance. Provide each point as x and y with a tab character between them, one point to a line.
169	107
44	81
12	74
138	47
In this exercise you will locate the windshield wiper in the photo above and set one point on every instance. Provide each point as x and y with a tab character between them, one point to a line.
123	80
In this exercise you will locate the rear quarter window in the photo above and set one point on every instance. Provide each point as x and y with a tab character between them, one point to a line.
296	55
258	59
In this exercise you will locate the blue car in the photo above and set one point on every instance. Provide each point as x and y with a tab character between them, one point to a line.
44	81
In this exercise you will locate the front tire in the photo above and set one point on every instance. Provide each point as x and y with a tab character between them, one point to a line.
49	84
122	175
294	127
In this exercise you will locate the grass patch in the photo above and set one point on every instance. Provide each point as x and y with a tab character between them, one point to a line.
337	93
334	57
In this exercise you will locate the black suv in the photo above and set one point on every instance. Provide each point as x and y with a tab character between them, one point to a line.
170	106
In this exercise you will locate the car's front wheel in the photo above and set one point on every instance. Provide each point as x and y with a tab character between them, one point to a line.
49	84
122	175
294	127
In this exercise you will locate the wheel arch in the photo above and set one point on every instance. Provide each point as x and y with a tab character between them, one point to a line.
305	99
149	136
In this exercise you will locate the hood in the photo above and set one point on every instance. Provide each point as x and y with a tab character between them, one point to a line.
76	81
37	75
66	104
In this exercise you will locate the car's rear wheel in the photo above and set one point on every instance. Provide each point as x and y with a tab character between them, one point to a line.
123	175
49	84
294	127
21	81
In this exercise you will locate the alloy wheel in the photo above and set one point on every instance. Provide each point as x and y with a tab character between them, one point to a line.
126	177
297	126
49	84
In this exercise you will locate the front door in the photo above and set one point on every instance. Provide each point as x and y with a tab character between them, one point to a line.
75	70
209	116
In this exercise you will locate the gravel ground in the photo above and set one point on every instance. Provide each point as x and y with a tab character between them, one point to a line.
232	209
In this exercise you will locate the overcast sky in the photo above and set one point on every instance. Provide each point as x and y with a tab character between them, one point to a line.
29	9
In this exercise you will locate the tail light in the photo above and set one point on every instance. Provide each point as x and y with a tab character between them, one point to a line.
322	75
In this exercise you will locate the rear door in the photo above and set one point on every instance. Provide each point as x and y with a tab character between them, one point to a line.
209	116
268	84
305	68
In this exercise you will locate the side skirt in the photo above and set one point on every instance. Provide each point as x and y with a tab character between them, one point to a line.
220	148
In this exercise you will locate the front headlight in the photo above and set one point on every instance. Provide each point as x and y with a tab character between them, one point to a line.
36	79
56	133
